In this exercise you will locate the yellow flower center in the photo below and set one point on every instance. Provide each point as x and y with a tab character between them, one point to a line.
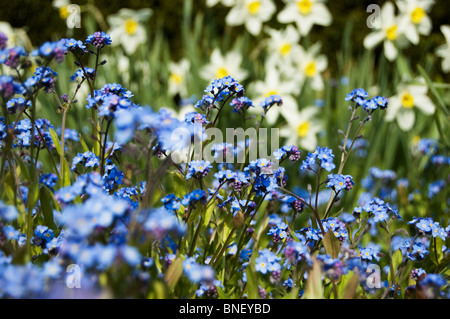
391	33
285	49
407	100
417	15
63	12
131	26
221	72
310	69
415	139
253	7
302	129
176	78
273	92
304	6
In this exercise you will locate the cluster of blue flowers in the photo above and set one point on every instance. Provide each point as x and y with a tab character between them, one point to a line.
125	226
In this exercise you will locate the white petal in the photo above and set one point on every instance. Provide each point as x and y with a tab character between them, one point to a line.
406	119
392	109
390	50
287	15
253	26
373	39
425	104
235	17
321	14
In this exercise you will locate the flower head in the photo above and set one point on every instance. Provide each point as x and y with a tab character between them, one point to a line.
99	39
127	28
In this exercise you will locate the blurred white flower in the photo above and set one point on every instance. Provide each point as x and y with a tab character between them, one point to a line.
389	32
178	75
308	66
305	13
282	44
220	66
252	13
273	84
302	128
414	18
227	3
16	36
401	106
62	6
126	28
443	50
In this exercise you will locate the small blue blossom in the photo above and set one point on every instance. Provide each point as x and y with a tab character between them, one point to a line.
271	101
369	254
198	169
99	39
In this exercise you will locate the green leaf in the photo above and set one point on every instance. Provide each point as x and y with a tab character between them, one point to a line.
174	273
179	184
83	144
55	140
332	244
441	104
252	282
349	285
66	173
46	199
23	167
436	250
208	215
314	287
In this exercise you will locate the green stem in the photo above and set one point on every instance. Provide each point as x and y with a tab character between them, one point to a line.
217	256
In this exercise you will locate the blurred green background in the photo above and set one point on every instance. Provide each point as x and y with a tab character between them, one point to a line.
42	21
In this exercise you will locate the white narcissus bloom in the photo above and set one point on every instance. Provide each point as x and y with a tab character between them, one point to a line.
282	44
309	65
302	128
274	85
178	76
305	13
390	31
221	66
401	106
16	36
414	18
443	50
126	28
227	3
252	13
62	6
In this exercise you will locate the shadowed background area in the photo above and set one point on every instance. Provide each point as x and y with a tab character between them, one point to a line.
42	21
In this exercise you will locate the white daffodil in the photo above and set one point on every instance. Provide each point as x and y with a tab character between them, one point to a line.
251	13
388	33
178	75
282	44
401	106
220	66
305	13
414	18
273	85
227	3
16	36
62	6
126	28
443	50
309	65
302	128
